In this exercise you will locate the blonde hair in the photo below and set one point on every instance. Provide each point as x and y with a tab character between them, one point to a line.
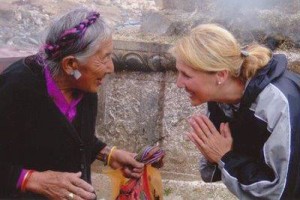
212	48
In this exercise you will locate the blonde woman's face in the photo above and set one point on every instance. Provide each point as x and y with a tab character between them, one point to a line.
200	86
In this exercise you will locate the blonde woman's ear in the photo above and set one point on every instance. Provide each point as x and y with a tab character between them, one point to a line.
222	76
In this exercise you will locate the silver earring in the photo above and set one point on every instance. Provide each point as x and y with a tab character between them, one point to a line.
76	74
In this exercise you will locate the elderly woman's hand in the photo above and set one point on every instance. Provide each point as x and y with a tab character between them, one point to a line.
212	143
60	185
125	161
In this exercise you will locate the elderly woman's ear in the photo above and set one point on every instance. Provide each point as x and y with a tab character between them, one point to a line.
69	64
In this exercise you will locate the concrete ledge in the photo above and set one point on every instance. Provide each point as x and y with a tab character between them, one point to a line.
141	56
129	56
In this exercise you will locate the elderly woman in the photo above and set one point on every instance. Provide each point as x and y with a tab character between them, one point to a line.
251	139
48	112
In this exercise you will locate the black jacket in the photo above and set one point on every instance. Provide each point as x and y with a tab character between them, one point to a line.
265	160
34	134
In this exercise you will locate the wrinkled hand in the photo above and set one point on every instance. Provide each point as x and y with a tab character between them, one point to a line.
125	160
58	185
212	143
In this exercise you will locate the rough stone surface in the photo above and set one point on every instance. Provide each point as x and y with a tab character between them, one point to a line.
131	116
148	108
155	19
187	5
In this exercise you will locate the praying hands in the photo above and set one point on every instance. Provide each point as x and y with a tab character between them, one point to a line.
211	143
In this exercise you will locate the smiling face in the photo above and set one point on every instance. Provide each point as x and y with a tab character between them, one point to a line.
95	69
201	86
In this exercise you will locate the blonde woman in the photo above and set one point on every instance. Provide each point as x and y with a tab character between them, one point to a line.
251	136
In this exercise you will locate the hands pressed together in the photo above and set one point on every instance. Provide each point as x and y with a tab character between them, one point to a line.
211	143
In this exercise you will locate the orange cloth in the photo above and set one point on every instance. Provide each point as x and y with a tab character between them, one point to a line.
148	187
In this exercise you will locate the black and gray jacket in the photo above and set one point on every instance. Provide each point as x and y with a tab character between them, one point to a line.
264	162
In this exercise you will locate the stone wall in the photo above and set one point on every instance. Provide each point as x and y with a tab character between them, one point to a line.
142	106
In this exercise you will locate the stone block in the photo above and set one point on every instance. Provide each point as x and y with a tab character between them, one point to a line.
187	5
131	115
163	24
155	22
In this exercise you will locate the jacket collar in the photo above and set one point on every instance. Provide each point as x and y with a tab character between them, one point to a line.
274	69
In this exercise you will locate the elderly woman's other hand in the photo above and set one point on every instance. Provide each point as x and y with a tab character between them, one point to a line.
60	185
126	161
212	143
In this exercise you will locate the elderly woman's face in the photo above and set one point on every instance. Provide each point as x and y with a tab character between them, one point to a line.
98	65
200	86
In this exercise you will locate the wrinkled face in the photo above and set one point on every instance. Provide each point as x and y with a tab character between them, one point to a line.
95	69
199	85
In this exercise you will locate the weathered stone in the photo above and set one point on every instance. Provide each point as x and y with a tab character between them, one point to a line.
295	66
141	56
155	19
131	116
195	190
166	23
187	5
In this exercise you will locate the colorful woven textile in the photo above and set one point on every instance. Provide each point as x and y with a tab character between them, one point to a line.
149	186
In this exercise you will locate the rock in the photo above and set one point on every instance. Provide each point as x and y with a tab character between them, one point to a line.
187	5
152	19
295	66
165	23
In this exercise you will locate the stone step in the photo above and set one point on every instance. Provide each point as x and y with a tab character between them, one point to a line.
173	189
195	190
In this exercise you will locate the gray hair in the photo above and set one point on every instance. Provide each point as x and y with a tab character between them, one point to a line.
95	34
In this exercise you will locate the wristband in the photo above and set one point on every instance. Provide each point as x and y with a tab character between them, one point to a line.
25	180
109	155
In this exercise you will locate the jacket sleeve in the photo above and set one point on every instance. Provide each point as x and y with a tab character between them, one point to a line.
251	178
9	173
97	147
209	172
97	144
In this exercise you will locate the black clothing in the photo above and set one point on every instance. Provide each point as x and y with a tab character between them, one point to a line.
35	135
